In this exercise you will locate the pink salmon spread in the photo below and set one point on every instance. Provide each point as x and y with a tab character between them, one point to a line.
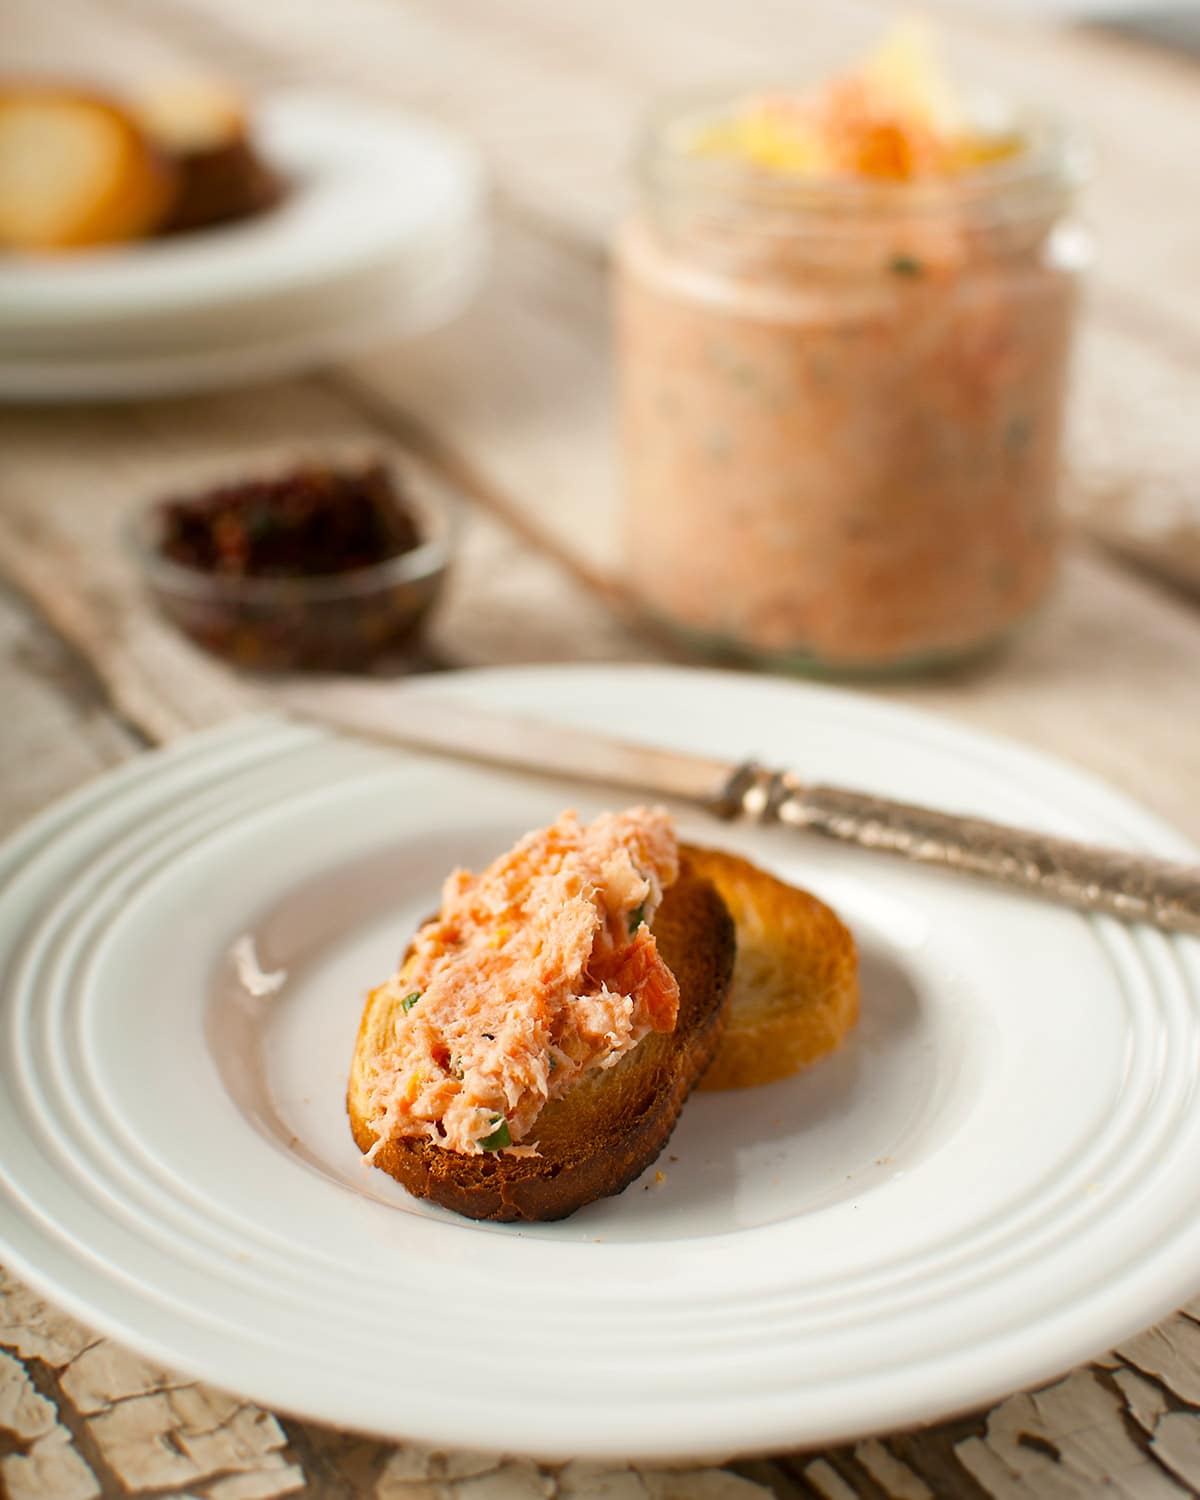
536	972
844	324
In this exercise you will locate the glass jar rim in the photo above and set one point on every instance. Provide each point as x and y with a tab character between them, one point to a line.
1052	166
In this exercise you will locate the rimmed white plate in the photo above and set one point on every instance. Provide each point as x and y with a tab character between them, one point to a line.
994	1179
381	208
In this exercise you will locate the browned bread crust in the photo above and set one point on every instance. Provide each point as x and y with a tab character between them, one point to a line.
201	128
795	984
608	1129
221	185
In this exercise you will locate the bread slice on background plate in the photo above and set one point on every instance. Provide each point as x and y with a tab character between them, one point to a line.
75	170
595	1139
202	129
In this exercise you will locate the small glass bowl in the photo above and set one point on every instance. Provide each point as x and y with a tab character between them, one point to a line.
327	622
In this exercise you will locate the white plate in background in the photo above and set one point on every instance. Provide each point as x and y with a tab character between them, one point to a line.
379	207
265	343
994	1179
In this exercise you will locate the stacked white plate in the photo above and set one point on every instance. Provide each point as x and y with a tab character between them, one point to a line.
382	234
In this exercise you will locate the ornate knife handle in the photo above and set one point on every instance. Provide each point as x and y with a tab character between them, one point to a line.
1134	887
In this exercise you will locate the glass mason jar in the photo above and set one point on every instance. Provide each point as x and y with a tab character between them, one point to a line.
842	401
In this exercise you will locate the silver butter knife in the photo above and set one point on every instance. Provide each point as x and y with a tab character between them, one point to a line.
1133	887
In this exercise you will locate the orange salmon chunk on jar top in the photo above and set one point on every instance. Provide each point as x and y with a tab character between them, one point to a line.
534	974
844	318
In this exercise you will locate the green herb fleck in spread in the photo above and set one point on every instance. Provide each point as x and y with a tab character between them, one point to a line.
499	1137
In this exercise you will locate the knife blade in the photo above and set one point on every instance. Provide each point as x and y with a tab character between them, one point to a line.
1133	887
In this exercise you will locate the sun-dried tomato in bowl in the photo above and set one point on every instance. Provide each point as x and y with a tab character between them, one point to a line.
321	567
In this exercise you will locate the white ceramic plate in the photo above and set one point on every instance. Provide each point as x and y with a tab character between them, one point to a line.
265	343
996	1178
380	208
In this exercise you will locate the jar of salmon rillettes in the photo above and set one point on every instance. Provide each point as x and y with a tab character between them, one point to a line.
843	344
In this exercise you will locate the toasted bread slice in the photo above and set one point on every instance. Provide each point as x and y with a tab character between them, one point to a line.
795	984
612	1124
202	129
75	170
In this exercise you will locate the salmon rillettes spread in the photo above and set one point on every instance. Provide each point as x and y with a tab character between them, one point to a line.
844	322
535	973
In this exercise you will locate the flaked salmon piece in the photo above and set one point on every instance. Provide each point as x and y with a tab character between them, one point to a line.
638	970
539	970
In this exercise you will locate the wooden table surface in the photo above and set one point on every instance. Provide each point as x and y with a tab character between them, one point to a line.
512	405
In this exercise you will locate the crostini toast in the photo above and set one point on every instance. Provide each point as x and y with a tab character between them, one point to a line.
202	130
75	170
795	994
595	1139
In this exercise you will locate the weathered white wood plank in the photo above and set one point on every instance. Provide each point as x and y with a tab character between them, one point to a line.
56	726
60	526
